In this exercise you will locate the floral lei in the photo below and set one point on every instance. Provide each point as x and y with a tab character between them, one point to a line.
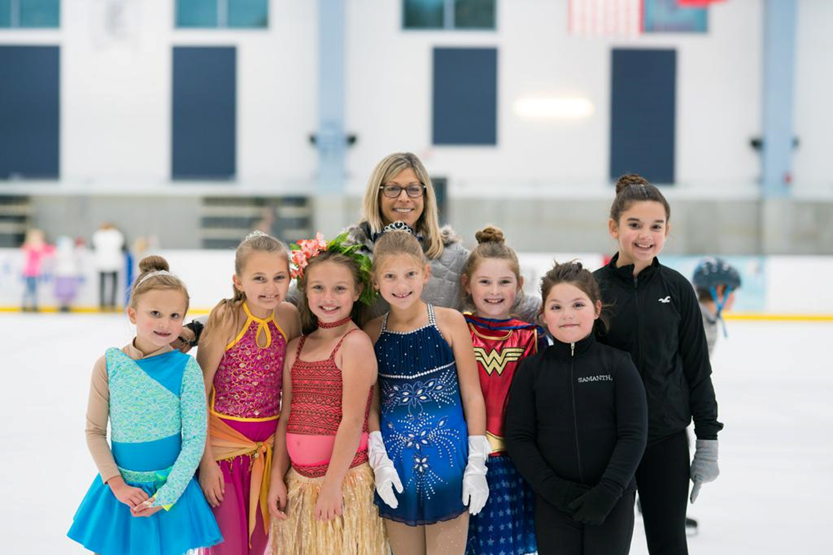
305	250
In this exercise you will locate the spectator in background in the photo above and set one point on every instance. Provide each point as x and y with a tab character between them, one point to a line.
132	255
67	271
716	282
108	244
35	249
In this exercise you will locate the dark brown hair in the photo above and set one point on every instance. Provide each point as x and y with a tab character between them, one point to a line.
573	273
631	188
148	265
490	244
309	321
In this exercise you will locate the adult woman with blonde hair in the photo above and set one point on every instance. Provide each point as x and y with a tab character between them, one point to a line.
400	196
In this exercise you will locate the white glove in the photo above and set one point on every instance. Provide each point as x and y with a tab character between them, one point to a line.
384	472
475	487
704	466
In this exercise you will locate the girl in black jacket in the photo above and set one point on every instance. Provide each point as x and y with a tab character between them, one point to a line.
657	319
576	425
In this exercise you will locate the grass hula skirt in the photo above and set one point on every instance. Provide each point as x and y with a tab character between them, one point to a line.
359	531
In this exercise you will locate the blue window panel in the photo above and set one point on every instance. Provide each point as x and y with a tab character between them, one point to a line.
465	96
643	113
667	16
248	14
196	13
474	14
448	14
30	111
5	14
40	14
204	113
423	14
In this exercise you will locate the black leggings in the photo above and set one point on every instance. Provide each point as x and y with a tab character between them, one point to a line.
662	478
558	534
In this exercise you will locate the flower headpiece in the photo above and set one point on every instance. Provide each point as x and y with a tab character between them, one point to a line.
305	250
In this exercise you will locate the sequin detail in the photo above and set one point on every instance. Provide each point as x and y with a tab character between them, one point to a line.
422	423
141	409
506	525
139	414
144	477
248	379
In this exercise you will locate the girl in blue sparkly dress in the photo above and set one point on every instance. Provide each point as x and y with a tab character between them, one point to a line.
428	425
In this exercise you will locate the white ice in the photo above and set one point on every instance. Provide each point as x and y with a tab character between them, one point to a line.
773	381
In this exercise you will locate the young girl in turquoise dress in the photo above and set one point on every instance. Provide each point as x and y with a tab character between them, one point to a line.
428	425
145	500
491	282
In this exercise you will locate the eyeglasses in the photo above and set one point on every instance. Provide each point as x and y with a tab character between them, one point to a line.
392	190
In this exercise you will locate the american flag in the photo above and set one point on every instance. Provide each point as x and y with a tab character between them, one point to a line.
611	18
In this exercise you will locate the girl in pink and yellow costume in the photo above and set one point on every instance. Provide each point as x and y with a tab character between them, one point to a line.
242	353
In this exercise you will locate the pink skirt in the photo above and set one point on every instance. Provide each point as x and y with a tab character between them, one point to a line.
233	513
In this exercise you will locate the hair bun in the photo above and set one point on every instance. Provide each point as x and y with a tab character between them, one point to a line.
153	264
628	180
490	234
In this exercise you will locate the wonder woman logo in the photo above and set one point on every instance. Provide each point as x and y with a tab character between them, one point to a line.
497	361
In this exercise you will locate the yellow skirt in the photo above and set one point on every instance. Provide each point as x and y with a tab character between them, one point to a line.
358	531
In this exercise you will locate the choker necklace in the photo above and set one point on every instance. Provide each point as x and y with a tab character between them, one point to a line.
329	325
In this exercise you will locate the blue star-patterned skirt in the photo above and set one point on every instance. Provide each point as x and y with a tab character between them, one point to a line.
506	524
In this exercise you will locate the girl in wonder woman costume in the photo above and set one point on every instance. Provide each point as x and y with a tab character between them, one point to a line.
491	282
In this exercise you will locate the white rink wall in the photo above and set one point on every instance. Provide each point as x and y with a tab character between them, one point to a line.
773	285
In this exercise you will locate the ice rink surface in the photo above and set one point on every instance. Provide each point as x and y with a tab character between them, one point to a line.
774	383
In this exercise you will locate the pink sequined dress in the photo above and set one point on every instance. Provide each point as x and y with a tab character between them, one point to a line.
246	396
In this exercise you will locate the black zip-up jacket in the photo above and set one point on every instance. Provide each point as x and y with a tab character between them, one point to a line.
656	318
577	412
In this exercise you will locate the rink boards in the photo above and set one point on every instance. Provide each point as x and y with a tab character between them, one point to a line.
774	287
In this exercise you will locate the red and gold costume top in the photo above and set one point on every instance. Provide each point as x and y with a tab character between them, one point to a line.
499	346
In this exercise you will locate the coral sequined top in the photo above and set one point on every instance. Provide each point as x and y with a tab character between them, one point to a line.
316	412
247	385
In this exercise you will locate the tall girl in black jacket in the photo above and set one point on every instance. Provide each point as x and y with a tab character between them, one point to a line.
656	317
576	425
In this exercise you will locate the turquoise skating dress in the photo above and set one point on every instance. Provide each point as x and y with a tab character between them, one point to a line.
158	424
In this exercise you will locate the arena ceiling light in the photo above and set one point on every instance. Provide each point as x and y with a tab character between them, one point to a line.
553	108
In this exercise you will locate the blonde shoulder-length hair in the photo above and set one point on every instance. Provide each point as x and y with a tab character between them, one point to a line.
428	225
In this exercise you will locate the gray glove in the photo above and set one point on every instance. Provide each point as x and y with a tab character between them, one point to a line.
704	466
